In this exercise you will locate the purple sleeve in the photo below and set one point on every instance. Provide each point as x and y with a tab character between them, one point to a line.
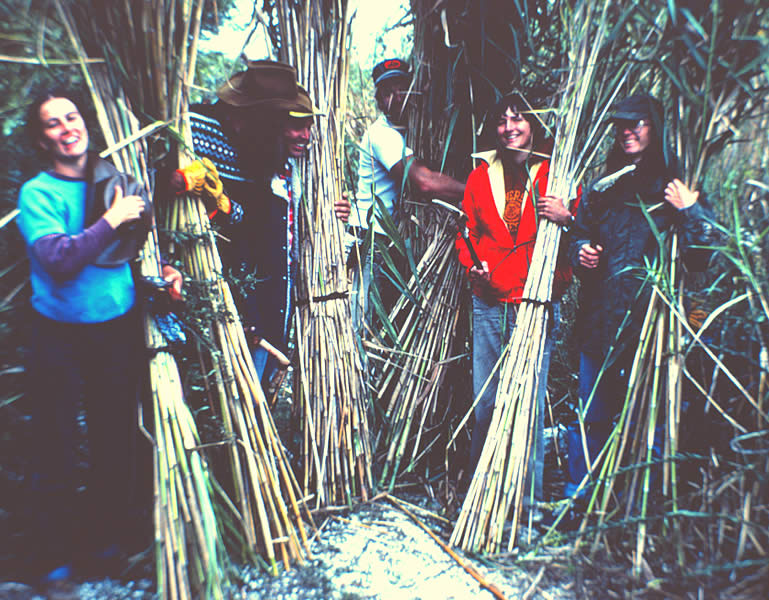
63	256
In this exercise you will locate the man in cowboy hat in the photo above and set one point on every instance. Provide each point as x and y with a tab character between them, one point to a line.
253	135
385	160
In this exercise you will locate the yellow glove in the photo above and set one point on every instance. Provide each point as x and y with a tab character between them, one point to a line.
194	175
213	194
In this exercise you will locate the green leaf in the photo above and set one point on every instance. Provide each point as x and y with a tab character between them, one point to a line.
449	135
388	225
673	12
694	23
694	52
10	400
375	301
392	273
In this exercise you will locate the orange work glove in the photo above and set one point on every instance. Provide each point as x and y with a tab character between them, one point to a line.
213	194
194	175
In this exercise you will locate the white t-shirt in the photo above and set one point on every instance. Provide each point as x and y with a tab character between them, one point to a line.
381	148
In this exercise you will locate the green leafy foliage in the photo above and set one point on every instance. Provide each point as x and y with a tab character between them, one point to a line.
211	70
712	57
215	14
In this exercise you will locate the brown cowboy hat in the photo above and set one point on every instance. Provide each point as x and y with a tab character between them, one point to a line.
267	84
303	107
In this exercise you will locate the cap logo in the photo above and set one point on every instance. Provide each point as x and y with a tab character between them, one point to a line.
392	64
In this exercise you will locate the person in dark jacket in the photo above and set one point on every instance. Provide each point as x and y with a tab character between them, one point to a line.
253	136
83	223
611	240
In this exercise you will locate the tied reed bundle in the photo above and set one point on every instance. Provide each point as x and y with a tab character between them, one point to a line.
412	371
336	445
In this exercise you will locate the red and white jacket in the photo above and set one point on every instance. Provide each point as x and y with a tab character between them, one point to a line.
508	258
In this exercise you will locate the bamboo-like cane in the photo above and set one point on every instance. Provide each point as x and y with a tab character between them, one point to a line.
336	446
265	489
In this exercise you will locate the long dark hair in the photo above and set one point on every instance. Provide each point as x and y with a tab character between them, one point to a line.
516	102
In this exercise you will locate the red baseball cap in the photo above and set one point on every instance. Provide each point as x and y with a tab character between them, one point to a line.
391	67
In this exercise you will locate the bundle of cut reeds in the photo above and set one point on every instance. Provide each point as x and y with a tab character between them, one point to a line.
413	365
190	554
336	445
498	484
265	490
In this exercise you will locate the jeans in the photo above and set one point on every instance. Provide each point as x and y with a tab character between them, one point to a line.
537	463
100	365
265	364
597	414
492	328
260	357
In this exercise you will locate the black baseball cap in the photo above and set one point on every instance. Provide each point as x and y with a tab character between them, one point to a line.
635	107
391	67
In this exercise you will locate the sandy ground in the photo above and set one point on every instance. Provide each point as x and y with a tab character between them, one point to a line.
375	552
378	552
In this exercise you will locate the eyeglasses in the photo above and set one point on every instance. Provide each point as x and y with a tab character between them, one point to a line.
631	124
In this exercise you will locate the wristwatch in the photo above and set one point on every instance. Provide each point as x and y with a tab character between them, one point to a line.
566	227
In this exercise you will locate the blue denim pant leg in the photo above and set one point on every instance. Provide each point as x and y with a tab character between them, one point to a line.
260	357
492	326
265	364
537	457
597	414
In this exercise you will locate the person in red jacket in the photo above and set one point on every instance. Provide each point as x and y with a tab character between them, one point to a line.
504	199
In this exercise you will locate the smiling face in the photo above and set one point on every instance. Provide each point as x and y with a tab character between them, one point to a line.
633	137
296	135
514	132
63	134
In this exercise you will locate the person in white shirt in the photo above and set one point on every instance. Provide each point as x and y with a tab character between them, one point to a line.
386	166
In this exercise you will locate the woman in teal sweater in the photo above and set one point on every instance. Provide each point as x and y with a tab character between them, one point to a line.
85	339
